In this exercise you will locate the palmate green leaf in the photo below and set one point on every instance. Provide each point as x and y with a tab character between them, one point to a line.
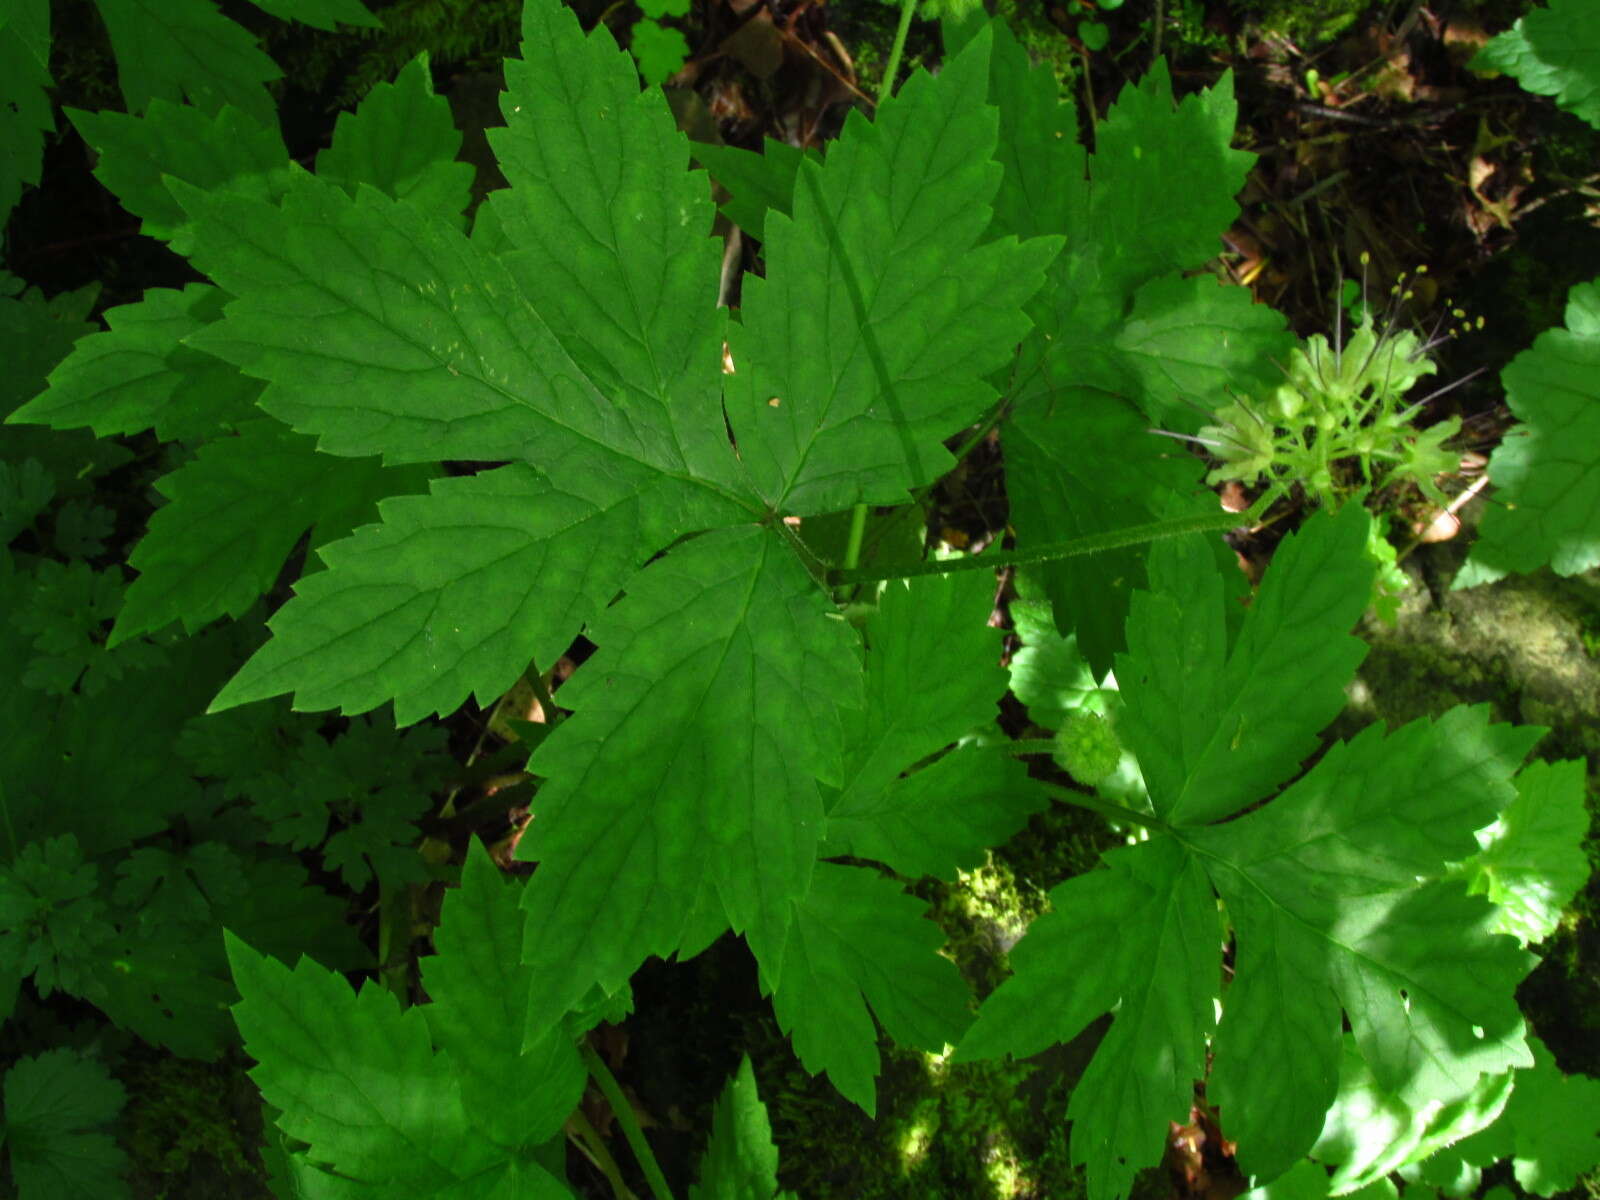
234	514
172	49
402	141
933	676
1335	891
1548	508
581	344
881	314
1553	51
357	1079
56	1107
1323	889
858	940
704	726
1120	340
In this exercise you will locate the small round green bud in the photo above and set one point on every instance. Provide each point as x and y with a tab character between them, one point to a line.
1087	748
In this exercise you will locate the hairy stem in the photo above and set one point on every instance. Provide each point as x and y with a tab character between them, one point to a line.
1095	543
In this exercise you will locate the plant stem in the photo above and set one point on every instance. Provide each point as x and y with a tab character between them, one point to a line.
623	1111
1095	543
594	1148
1107	808
852	547
892	67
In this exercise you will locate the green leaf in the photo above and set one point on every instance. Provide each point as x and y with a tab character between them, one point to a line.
25	114
235	512
323	14
759	183
167	990
1548	497
356	1079
859	940
1532	863
401	610
185	48
881	265
612	235
34	340
1553	51
740	1162
1213	729
1371	1132
1054	459
1103	351
703	728
25	492
1555	1141
402	141
939	819
933	675
55	1105
516	1098
1335	889
284	914
54	924
659	50
1144	938
1195	341
228	150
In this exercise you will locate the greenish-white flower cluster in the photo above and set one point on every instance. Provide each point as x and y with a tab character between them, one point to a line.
1338	424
